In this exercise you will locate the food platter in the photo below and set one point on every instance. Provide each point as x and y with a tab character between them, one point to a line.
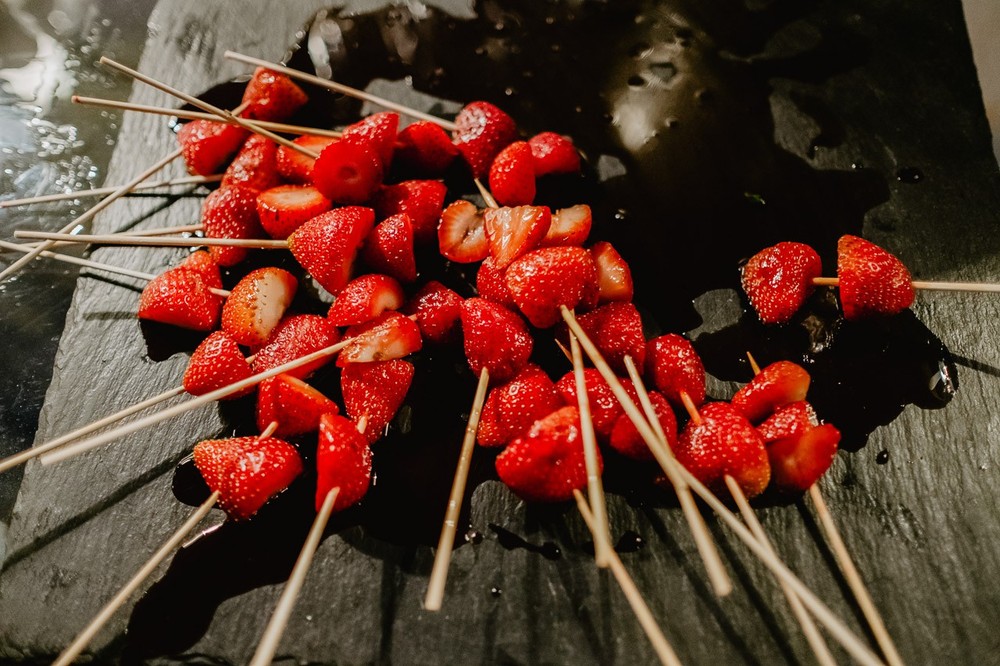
792	122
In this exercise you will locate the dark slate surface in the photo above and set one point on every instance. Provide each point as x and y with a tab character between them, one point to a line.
923	526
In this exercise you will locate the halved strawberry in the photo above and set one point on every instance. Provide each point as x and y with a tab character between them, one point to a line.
873	282
483	130
247	471
181	298
616	331
798	462
512	175
461	233
626	440
570	226
295	337
422	200
218	361
255	166
291	403
365	298
389	336
546	464
511	408
285	208
257	303
791	420
614	277
511	232
201	262
776	385
374	391
495	338
437	309
231	212
675	367
272	96
491	283
779	279
296	167
343	461
423	146
554	153
543	280
389	248
604	406
347	172
327	244
378	131
208	145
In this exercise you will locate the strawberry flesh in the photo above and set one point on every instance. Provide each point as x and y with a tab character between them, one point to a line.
257	303
511	232
462	234
614	277
389	336
570	226
347	172
365	298
285	208
296	167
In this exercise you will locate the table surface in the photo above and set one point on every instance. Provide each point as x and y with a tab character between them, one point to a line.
710	133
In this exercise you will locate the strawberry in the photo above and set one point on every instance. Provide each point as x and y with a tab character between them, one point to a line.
285	208
327	244
546	464
604	406
778	384
790	420
482	132
510	409
377	131
272	96
296	167
779	279
626	440
347	172
294	405
181	298
724	443
216	362
422	200
246	471
374	391
495	339
461	234
491	283
614	277
365	298
390	335
674	368
424	147
873	282
799	462
553	153
257	303
616	331
343	461
208	145
255	166
512	175
437	309
389	248
570	226
513	231
231	212
201	262
295	337
543	280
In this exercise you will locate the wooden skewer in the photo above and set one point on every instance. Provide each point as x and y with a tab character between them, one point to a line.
101	191
339	87
646	620
485	193
201	115
446	542
159	231
925	284
153	241
84	637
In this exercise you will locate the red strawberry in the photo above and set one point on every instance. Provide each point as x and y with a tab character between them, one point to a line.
724	443
327	244
389	248
255	166
181	298
570	226
546	464
778	384
512	175
422	200
365	298
294	405
201	262
461	233
437	309
873	282
779	279
272	96
247	471
616	331
296	167
257	303
343	460
675	367
231	212
483	131
553	153
626	440
218	361
208	145
425	147
510	409
285	208
604	406
495	338
491	283
791	420
543	280
511	232
347	172
799	462
389	336
295	337
614	277
377	131
374	391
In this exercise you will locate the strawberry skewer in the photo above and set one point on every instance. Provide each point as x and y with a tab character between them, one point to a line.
153	241
102	191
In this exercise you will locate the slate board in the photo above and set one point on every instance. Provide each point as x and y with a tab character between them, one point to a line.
923	526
